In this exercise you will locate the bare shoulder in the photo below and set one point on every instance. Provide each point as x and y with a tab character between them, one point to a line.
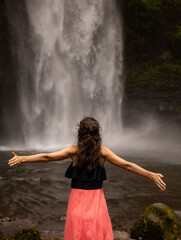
72	150
105	151
113	158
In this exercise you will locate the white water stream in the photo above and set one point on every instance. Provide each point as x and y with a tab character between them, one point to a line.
70	66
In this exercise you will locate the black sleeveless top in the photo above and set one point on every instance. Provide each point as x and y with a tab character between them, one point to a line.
86	179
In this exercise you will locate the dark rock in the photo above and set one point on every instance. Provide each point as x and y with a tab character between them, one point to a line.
27	234
10	228
6	219
157	223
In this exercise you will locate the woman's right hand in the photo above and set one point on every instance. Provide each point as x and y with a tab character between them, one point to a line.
15	161
157	179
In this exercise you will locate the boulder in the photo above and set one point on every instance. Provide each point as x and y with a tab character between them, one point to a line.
158	222
27	234
10	228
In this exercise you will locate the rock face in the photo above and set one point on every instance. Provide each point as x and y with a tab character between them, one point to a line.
157	223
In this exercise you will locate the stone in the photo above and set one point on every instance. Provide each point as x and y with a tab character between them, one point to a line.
121	235
6	219
158	222
10	228
51	235
53	238
27	234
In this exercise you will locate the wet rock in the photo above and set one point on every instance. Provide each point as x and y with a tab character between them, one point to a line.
157	223
27	234
6	219
9	228
51	235
53	238
121	235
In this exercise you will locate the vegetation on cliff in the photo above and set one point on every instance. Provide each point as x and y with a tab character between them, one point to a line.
153	51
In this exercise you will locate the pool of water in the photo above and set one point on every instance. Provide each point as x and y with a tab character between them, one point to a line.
40	191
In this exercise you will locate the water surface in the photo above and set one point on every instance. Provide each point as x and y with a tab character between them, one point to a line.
40	191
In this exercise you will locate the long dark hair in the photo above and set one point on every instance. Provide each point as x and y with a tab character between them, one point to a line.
89	143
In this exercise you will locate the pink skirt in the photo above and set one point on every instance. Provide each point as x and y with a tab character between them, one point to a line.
87	216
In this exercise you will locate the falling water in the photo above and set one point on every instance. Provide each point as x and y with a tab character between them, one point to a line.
69	55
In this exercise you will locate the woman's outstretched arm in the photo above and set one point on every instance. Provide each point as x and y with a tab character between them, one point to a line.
132	167
42	157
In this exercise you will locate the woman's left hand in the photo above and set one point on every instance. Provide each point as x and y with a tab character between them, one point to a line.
15	161
156	178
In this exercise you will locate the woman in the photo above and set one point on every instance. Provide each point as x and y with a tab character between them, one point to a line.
87	214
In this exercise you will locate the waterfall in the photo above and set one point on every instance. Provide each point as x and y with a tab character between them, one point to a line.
69	64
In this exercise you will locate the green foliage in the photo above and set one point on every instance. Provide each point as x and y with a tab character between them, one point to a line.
153	5
163	75
156	224
151	27
156	80
153	52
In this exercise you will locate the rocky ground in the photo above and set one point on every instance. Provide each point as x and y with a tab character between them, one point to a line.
9	226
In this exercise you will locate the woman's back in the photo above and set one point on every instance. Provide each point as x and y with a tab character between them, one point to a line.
86	177
74	156
87	214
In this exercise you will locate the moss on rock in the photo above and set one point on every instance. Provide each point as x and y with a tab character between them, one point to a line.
157	223
27	234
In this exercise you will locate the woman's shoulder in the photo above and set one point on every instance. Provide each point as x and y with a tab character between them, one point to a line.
104	151
73	153
73	150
